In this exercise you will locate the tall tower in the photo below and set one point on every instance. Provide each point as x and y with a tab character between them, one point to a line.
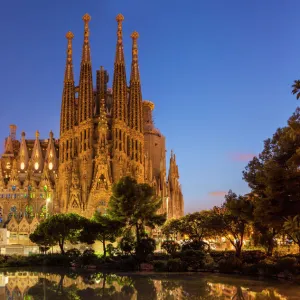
102	182
67	123
85	114
136	149
120	136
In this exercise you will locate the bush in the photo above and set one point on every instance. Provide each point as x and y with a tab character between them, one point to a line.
176	265
73	253
145	248
126	244
56	259
208	263
170	246
194	245
193	258
287	264
267	267
253	257
88	257
160	265
230	265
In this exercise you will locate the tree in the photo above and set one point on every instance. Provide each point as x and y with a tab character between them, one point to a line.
135	205
127	243
296	88
102	228
196	225
44	241
60	228
172	228
292	229
232	220
274	177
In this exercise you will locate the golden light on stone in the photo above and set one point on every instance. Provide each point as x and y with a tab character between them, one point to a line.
86	18
36	165
22	166
50	166
135	35
119	18
69	35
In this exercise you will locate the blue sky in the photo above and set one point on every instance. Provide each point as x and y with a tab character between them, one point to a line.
219	73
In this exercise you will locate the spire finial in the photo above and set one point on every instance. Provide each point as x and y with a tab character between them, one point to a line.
120	19
86	47
135	35
69	35
86	18
37	134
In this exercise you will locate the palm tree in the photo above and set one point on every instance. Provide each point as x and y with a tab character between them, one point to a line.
296	88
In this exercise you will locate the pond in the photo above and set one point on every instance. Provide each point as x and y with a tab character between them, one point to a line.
57	284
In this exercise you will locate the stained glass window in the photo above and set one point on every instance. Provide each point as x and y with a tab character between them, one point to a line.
13	188
12	212
1	214
28	211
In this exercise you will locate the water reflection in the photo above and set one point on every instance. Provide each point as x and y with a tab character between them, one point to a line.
55	285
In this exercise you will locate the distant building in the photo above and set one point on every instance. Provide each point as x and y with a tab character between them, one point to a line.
105	134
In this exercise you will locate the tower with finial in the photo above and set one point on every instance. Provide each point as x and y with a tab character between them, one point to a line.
105	134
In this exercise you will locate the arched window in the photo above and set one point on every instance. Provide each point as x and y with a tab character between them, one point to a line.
12	212
29	212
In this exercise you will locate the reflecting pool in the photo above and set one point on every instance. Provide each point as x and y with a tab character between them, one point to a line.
57	284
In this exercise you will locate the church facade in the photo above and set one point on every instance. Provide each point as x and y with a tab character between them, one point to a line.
105	134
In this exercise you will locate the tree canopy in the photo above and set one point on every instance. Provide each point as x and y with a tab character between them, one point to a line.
135	205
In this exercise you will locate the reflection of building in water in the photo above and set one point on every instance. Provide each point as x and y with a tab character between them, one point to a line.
18	283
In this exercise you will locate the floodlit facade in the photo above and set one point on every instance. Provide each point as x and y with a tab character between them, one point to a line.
105	134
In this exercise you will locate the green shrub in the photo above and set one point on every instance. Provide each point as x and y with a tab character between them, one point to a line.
195	245
209	263
230	265
170	246
192	258
88	257
286	264
145	247
73	253
253	256
160	265
176	265
267	267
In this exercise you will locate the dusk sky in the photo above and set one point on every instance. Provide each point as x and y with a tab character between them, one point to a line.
219	72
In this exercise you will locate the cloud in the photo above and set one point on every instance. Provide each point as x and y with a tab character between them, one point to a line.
242	156
218	193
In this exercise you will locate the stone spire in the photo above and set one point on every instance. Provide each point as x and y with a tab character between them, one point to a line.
85	101
119	80
135	94
67	116
102	80
51	157
23	153
2	184
36	155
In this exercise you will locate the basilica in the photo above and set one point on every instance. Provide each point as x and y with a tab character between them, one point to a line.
105	134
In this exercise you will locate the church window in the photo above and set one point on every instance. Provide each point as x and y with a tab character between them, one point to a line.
41	196
22	166
29	187
12	212
8	196
13	187
75	204
44	212
28	211
36	165
50	166
45	188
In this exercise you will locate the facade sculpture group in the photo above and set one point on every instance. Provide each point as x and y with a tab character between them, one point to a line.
105	134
